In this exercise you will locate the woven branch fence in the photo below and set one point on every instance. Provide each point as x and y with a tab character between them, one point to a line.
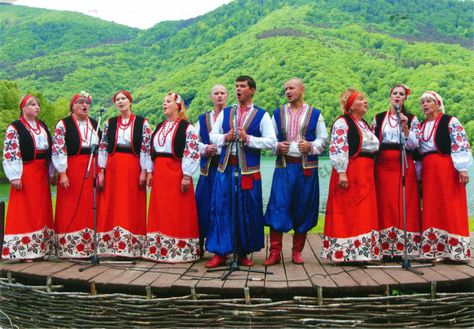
24	306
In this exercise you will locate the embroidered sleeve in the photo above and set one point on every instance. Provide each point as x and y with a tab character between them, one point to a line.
413	139
268	140
339	146
59	150
102	157
217	134
145	150
321	141
12	161
202	146
191	152
460	148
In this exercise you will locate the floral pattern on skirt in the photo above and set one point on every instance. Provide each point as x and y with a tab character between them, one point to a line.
392	242
163	248
437	243
120	242
364	247
29	245
79	244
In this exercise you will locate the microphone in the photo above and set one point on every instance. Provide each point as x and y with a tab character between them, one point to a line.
397	107
236	124
101	110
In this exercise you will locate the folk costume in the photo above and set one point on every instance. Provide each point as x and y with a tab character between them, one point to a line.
388	182
446	151
29	226
351	224
208	166
173	229
74	219
124	153
294	197
248	199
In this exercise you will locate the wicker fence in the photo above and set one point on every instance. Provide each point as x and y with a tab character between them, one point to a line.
24	306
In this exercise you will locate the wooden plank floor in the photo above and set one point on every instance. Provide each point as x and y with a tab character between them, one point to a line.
285	280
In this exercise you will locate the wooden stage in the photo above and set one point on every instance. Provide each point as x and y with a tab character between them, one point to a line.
287	280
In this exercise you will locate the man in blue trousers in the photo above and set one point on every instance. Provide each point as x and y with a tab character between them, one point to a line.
294	198
236	209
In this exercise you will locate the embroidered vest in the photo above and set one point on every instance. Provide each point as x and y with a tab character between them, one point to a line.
137	134
204	130
308	130
178	141
27	143
73	137
250	157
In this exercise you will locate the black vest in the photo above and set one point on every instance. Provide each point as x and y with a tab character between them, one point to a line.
442	138
73	139
354	138
179	139
27	144
379	121
137	133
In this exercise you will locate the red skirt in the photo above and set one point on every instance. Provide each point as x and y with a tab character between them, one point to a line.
445	218
390	205
74	220
121	222
351	224
29	221
173	229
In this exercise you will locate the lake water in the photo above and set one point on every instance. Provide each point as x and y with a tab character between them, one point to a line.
267	168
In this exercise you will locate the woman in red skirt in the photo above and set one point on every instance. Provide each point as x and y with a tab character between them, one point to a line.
351	223
388	178
74	220
446	158
123	158
26	156
173	230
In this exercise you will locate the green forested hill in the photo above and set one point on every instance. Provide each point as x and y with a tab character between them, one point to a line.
330	44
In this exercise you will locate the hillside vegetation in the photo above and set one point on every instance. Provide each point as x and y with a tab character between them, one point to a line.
330	44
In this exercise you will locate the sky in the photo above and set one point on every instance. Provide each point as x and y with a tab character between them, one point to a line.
136	13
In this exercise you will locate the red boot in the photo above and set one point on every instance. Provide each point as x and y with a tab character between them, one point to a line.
216	261
299	240
275	248
244	260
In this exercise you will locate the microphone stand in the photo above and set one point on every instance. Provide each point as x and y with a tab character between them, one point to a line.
93	163
234	264
403	167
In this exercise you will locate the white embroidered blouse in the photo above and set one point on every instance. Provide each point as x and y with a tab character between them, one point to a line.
461	154
339	145
124	139
391	131
59	150
12	160
162	143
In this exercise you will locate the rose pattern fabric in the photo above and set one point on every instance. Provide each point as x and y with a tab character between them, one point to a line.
339	145
392	242
364	247
162	248
437	243
28	246
120	242
75	244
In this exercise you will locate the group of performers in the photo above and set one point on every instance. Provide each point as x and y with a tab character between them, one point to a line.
365	208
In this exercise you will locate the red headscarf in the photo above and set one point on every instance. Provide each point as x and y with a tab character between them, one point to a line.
25	100
126	93
351	100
